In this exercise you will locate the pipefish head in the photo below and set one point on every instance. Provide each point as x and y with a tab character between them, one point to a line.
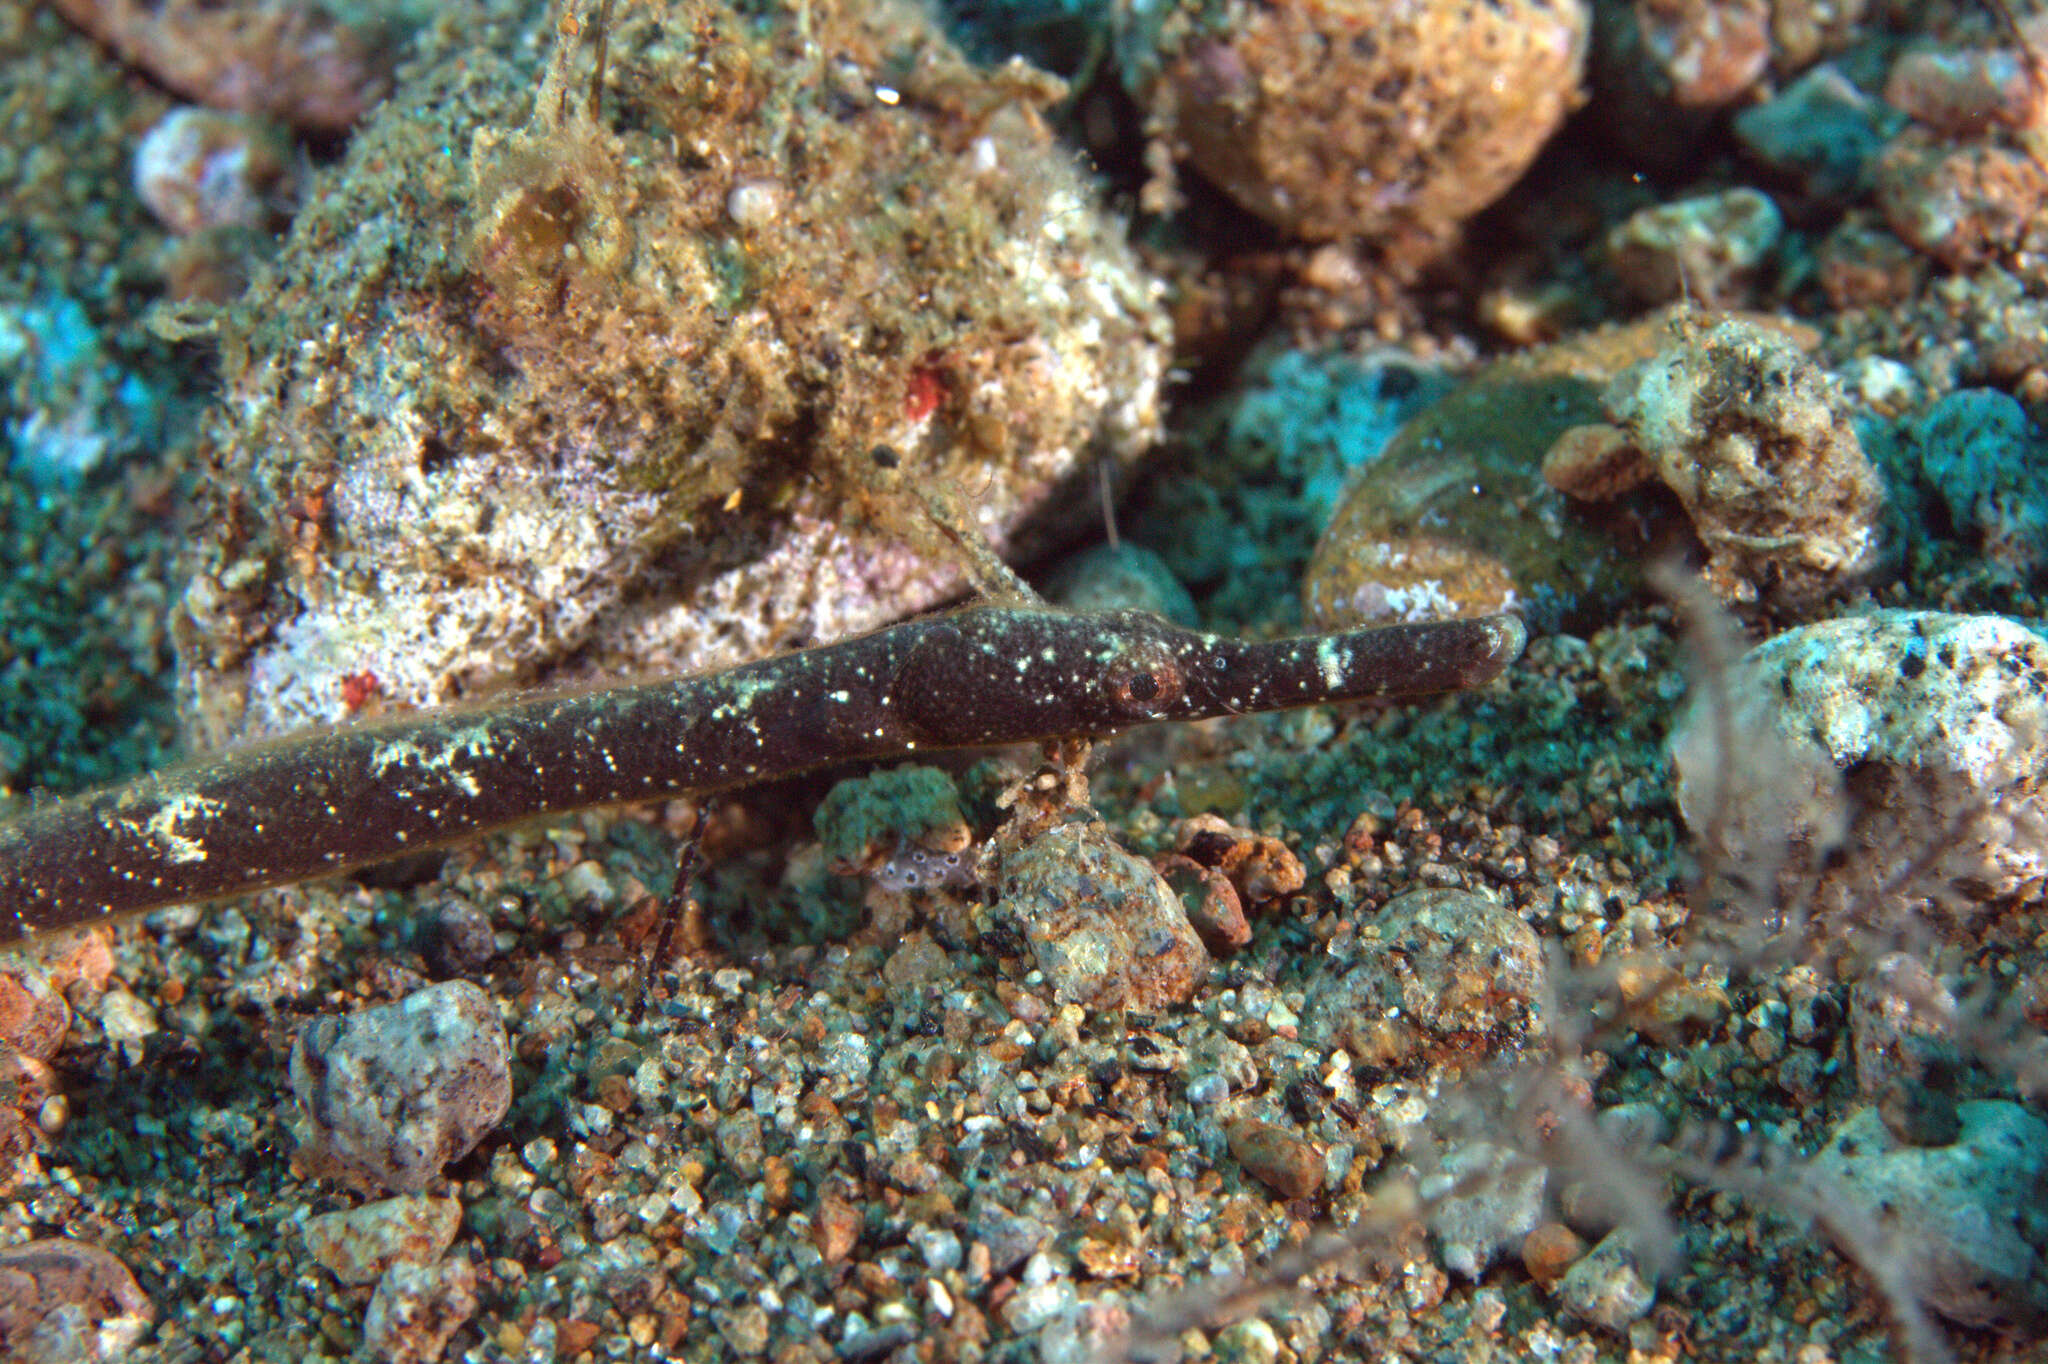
1012	674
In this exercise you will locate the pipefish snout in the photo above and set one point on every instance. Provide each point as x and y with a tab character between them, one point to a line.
309	806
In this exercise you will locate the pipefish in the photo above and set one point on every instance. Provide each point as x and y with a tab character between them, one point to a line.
308	806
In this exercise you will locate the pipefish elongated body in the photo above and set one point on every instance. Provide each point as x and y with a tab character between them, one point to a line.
310	806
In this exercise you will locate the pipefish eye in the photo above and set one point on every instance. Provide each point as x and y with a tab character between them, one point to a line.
1144	687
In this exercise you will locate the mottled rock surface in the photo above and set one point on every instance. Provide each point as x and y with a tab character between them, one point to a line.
1451	971
359	1245
392	1094
67	1302
1486	1199
417	1308
1885	767
1454	517
1965	1218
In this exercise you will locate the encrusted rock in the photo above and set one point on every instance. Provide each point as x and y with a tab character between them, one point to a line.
1887	765
1978	452
1965	1223
1752	438
1358	119
1454	516
391	1094
522	399
865	822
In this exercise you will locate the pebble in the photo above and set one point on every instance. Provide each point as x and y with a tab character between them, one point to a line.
1550	1250
456	937
1011	1237
391	1094
67	1302
1353	119
1505	1202
198	169
745	1330
1248	1342
1608	1286
1712	249
127	1020
1966	92
1210	901
1861	264
1902	1021
1967	205
1703	56
1821	131
1276	1157
417	1309
1046	1296
357	1246
835	1230
284	58
1964	1221
33	1017
1261	868
1123	576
